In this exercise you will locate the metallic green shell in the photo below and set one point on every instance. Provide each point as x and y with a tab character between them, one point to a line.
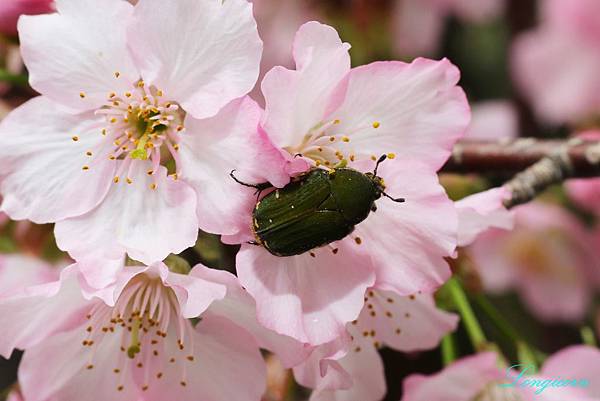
316	209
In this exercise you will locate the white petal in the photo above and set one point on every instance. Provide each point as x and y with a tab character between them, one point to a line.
73	56
147	224
202	53
42	165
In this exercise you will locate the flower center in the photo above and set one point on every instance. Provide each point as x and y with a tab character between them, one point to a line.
141	125
147	323
323	145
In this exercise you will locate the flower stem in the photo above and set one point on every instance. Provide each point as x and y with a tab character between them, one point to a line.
587	335
459	298
15	79
449	353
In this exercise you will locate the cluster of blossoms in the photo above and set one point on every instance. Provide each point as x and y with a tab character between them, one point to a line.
143	116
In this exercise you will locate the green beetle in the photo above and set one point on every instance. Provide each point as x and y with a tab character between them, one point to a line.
315	209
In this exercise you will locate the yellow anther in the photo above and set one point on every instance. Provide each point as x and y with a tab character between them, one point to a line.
159	93
85	168
352	157
127	94
88	153
345	139
153	186
113	120
150	172
140	84
104	131
391	156
117	74
129	180
176	146
332	139
75	138
112	95
111	157
116	179
376	124
374	158
179	128
81	95
336	122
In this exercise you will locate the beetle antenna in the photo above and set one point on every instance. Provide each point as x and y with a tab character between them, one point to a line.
381	160
398	200
298	155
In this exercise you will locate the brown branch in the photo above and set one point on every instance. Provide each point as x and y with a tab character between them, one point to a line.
536	163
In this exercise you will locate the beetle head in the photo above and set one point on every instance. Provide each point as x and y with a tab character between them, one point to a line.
378	182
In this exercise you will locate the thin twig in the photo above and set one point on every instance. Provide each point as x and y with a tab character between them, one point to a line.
537	164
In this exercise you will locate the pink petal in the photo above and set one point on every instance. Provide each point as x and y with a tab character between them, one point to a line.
69	378
404	323
78	52
239	307
480	212
10	11
202	53
340	371
297	100
278	21
548	258
408	242
221	351
310	299
413	110
586	193
576	362
18	271
214	147
148	224
493	120
42	165
418	26
558	74
461	381
37	312
195	294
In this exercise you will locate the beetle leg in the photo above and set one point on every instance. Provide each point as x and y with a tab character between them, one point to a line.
258	187
253	243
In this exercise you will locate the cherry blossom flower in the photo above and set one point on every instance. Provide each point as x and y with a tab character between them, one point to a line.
419	24
350	367
481	377
324	112
555	64
98	152
548	258
134	339
10	11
